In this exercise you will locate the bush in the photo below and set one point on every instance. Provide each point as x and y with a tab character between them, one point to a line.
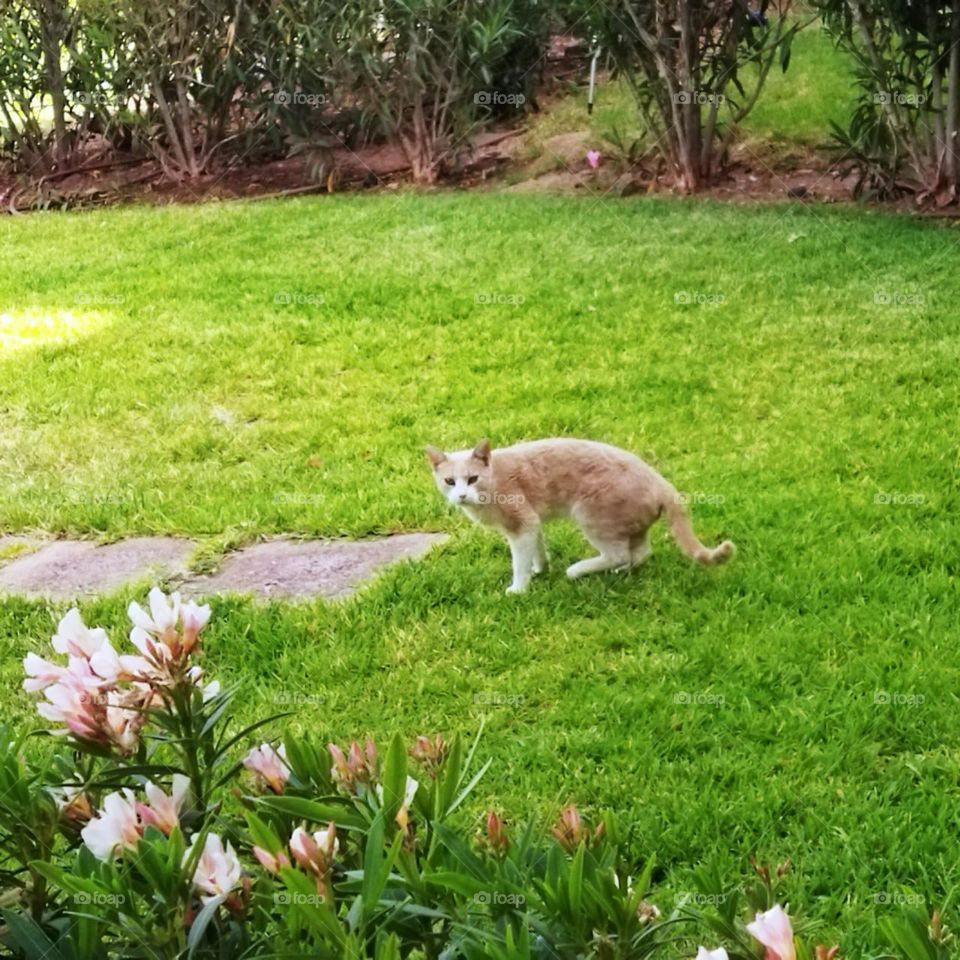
695	68
150	833
904	131
198	84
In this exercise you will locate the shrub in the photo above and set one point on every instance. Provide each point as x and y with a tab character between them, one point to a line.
904	131
695	68
149	832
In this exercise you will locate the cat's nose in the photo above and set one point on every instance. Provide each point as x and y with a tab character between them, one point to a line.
463	498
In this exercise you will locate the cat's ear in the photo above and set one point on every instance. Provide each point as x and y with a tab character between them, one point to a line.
482	451
435	456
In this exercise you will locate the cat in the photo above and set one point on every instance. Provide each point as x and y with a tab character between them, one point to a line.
611	494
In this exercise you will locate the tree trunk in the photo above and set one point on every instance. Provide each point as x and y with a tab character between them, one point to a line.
53	29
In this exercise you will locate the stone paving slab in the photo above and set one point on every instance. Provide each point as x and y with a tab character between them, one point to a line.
72	569
301	569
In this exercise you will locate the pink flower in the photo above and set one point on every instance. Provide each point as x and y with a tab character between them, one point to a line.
719	954
271	861
163	810
73	637
115	828
359	769
315	854
40	673
193	619
218	869
773	930
266	763
593	158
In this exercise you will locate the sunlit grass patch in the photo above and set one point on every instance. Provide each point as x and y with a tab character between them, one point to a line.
35	327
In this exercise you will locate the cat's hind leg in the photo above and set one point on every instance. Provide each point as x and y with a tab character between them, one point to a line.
640	548
614	555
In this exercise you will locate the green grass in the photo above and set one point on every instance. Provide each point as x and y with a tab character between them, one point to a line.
171	393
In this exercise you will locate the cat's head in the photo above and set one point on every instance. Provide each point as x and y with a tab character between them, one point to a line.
462	477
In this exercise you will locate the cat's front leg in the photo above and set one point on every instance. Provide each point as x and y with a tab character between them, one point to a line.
523	551
541	559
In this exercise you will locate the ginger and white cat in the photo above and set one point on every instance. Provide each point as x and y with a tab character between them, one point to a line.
611	494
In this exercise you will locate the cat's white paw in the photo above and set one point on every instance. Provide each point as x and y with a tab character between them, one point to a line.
517	588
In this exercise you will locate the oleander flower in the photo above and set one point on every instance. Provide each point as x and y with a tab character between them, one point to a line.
719	954
271	861
593	158
162	810
356	770
74	638
268	765
773	930
115	828
218	870
316	854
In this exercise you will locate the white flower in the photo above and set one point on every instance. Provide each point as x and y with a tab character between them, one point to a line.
40	673
218	869
774	931
115	827
73	637
719	954
163	613
163	810
409	793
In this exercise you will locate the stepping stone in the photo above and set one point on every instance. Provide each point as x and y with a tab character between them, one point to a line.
71	569
302	569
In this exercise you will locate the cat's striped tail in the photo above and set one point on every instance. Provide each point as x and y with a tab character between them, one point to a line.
687	540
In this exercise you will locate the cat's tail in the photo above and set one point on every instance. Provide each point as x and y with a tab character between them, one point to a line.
687	540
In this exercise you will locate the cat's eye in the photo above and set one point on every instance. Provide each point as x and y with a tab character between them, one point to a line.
449	481
472	479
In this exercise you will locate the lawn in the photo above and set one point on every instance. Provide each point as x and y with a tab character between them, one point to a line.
227	371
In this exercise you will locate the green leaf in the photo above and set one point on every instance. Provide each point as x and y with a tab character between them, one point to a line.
394	780
27	934
201	922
